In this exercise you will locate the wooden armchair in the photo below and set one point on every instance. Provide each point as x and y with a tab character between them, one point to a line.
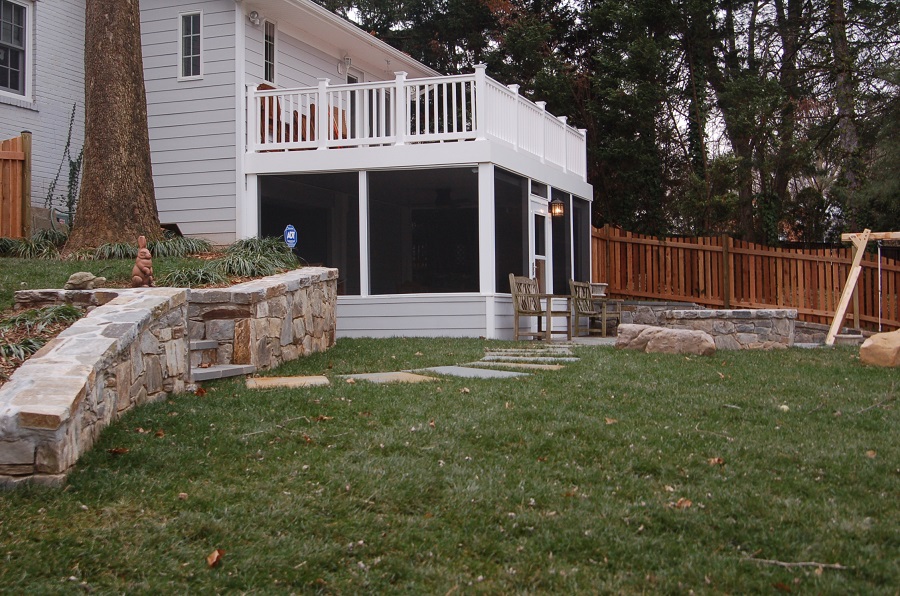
592	307
529	302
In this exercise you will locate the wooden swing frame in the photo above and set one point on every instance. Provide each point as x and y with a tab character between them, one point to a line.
859	240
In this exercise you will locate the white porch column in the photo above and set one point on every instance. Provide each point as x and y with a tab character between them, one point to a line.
363	233
487	246
401	119
248	208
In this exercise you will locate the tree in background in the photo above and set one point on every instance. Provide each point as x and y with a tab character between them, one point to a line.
117	201
769	120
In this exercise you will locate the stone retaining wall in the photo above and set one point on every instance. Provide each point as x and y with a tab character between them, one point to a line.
267	321
133	348
739	329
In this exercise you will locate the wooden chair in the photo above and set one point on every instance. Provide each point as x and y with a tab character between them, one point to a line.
529	302
586	305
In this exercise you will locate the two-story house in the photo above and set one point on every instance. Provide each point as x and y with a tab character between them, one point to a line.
424	190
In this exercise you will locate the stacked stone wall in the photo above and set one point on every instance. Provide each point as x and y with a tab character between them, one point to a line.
133	347
739	329
268	321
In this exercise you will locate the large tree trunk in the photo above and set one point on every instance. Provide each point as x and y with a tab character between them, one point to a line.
844	95
117	202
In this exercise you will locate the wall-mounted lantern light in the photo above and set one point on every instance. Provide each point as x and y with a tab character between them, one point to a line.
254	18
557	208
343	66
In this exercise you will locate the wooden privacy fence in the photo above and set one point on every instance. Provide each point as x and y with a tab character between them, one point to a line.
721	272
15	186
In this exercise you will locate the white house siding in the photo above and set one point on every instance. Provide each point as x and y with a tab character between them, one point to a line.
192	123
411	315
57	79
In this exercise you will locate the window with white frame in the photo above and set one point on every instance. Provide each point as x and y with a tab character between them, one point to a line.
190	47
12	47
269	74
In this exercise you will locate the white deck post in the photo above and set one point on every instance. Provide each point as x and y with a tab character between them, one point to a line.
401	119
322	115
363	233
542	105
480	102
254	117
248	207
583	132
565	159
487	245
515	89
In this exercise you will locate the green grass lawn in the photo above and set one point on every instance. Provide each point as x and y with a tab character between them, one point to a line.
34	274
624	472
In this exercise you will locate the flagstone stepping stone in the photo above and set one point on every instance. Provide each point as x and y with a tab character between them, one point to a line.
529	359
390	377
267	382
524	365
475	373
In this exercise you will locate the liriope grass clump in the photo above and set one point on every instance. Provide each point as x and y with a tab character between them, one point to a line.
189	278
257	257
21	334
43	244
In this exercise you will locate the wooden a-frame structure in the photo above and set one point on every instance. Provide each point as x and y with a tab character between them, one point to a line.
859	241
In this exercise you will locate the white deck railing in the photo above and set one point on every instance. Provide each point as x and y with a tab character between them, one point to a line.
432	110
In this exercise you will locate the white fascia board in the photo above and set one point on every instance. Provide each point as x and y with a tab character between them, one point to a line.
319	19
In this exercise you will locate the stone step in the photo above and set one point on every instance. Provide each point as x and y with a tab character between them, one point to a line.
203	344
203	351
221	371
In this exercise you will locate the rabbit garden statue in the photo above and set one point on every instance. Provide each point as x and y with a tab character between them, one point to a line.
142	274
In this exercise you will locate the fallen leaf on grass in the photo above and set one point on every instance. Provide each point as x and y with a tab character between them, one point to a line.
716	461
117	450
419	354
214	558
141	431
182	496
721	376
200	392
464	390
611	420
351	381
871	454
321	418
160	434
683	503
431	423
669	488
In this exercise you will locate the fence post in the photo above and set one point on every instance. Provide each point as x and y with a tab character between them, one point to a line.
726	272
542	106
26	184
856	294
481	100
515	130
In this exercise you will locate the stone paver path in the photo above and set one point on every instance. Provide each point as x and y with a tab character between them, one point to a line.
533	359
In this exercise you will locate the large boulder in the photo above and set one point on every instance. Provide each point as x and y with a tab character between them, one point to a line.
881	349
648	338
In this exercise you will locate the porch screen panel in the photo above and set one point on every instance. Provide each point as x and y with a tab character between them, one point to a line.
561	226
423	231
510	227
581	238
324	208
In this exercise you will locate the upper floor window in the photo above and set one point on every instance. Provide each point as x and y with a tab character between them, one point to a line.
12	47
269	74
190	49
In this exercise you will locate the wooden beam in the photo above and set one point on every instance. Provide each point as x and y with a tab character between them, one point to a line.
872	236
860	241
